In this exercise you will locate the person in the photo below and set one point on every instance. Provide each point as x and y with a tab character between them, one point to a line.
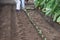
19	4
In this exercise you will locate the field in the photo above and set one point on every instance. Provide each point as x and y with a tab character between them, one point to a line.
17	26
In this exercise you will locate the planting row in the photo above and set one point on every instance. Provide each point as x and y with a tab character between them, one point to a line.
50	8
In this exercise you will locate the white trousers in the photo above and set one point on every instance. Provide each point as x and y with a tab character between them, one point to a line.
19	4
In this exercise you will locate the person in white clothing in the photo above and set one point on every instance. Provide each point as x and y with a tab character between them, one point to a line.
19	4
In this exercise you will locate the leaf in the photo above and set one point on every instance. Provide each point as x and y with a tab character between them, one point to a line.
57	13
49	7
58	19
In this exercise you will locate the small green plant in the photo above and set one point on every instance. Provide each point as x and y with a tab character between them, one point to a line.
50	8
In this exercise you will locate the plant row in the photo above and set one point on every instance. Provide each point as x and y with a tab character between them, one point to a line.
50	8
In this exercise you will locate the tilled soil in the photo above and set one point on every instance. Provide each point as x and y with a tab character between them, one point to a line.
25	30
5	22
50	32
15	25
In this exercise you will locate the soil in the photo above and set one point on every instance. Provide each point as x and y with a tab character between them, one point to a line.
5	22
48	30
15	25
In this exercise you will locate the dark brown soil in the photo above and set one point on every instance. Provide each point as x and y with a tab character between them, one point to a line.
50	21
49	31
16	26
5	22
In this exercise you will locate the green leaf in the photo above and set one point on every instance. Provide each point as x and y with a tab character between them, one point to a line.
57	13
58	19
49	7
